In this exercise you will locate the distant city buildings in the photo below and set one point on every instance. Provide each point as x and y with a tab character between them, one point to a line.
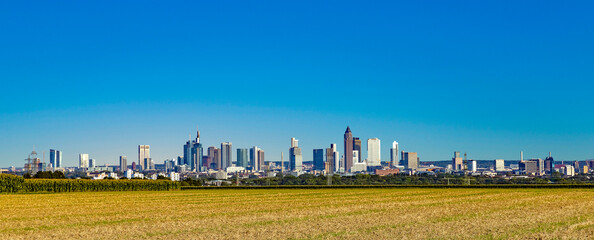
242	157
410	160
226	155
394	154
318	159
193	153
348	149
55	158
144	153
374	152
295	156
457	162
123	164
83	160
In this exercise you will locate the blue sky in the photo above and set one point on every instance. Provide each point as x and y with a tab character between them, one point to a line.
491	78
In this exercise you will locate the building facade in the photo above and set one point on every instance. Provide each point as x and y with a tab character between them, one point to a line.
394	154
295	156
56	158
374	152
242	157
348	149
123	163
144	152
226	155
318	159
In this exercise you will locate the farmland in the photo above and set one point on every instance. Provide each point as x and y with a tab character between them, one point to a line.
412	213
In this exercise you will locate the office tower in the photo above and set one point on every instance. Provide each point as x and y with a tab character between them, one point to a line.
144	151
357	146
193	153
242	157
374	152
457	162
348	150
318	159
180	160
540	166
337	160
206	161
214	154
472	165
394	154
355	157
499	165
528	167
169	165
261	159
295	156
123	163
410	160
254	162
332	159
92	163
226	155
549	164
83	160
56	158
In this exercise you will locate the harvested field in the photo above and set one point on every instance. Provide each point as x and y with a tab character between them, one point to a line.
302	214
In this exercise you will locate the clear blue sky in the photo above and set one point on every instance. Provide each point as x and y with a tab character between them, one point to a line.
491	78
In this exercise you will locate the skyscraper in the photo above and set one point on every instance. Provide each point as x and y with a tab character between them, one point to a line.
144	151
254	162
92	163
373	152
123	163
226	155
295	156
332	159
549	164
83	160
242	157
348	149
394	154
318	159
193	153
55	158
261	161
358	148
410	160
457	162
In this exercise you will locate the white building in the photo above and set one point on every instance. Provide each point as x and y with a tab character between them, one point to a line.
174	176
569	170
394	154
472	165
359	167
144	152
129	173
373	152
83	160
355	156
499	165
235	169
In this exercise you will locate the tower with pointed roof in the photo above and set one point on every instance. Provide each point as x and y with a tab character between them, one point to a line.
348	149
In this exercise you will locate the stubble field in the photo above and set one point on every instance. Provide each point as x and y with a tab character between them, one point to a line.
302	214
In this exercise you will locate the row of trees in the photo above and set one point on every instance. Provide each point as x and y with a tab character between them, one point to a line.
399	179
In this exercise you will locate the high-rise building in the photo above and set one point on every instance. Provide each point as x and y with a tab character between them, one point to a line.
528	167
193	153
261	161
549	164
295	156
144	151
83	160
355	157
226	155
123	163
410	160
242	157
56	158
254	162
394	154
332	159
318	159
457	162
374	152
92	163
348	149
357	146
472	165
499	165
540	166
214	154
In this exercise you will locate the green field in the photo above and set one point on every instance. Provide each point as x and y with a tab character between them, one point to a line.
301	214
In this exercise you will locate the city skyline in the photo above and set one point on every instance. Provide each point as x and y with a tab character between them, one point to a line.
484	78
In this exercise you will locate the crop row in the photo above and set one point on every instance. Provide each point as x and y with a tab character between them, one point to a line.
13	184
